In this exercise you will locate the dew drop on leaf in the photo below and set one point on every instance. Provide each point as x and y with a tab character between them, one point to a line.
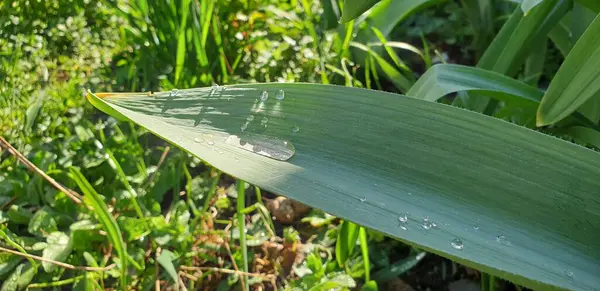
427	225
263	145
198	140
503	240
295	129
264	96
280	95
457	243
569	273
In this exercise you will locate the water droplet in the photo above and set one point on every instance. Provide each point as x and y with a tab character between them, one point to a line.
263	145
569	273
264	96
457	243
215	89
198	139
295	129
503	240
220	152
250	118
174	92
264	121
244	126
403	219
409	194
210	142
280	95
362	199
476	227
427	225
236	158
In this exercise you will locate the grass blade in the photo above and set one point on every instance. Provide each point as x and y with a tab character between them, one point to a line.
108	222
577	80
442	80
355	8
364	248
527	5
398	79
241	204
346	240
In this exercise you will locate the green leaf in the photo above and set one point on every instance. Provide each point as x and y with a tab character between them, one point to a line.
511	46
58	249
593	5
527	5
523	189
91	198
442	80
20	278
369	286
18	215
577	80
334	280
165	259
585	135
355	8
398	268
42	223
8	262
398	79
346	241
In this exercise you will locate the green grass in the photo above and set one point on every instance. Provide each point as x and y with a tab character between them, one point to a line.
162	216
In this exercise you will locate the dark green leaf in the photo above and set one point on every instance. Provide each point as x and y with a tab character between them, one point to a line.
577	80
355	8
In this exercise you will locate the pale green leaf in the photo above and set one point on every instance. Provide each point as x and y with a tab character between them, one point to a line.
20	278
42	223
165	259
577	80
459	169
58	249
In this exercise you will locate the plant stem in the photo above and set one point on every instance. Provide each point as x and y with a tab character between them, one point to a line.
242	229
364	247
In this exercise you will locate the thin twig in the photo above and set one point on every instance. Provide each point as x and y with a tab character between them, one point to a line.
226	243
156	279
72	194
61	264
191	277
227	271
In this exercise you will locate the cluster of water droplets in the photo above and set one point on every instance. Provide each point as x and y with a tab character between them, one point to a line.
403	219
427	224
254	136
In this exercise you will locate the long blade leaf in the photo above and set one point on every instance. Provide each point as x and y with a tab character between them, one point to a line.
108	222
372	157
577	80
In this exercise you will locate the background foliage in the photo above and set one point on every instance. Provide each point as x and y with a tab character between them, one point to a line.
167	215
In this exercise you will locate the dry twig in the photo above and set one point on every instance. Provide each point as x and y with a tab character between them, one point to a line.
61	264
72	194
